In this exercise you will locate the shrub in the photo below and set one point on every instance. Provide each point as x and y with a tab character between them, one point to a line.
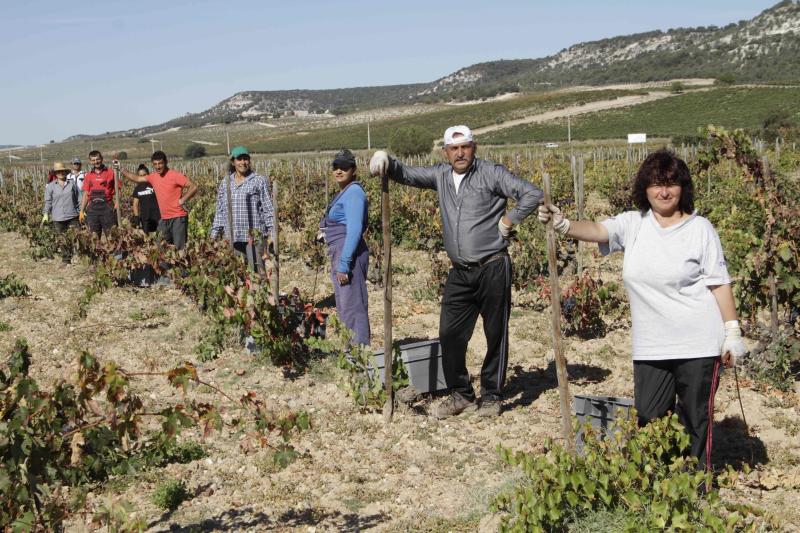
638	475
727	78
676	87
170	494
122	156
13	286
412	140
194	150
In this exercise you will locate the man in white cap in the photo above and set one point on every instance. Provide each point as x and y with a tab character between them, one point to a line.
77	175
473	195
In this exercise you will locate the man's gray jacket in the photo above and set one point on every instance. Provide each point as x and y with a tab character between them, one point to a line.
470	216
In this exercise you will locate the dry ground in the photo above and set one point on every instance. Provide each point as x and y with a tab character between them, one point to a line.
356	473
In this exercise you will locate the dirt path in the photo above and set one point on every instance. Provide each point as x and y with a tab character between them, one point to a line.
590	107
355	473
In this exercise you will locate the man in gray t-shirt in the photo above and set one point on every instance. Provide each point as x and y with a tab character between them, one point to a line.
473	196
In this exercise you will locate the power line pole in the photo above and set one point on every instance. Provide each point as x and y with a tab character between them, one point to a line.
569	130
369	140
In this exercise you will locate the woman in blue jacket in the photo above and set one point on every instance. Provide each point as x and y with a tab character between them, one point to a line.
343	227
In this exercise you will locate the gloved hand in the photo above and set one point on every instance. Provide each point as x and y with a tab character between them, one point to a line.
505	231
82	217
733	349
115	164
320	238
136	221
45	218
379	164
343	278
560	224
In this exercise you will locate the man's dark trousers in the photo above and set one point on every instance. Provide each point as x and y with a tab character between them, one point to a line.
174	231
484	290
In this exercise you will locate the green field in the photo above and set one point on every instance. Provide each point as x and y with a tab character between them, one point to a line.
679	115
476	115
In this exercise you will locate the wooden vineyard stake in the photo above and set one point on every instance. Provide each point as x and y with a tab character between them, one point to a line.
117	193
579	201
555	300
388	352
275	250
230	208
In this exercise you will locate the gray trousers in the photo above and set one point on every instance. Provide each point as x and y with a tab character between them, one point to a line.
174	231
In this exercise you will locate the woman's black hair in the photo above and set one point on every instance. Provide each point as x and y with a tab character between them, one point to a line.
142	167
663	167
232	168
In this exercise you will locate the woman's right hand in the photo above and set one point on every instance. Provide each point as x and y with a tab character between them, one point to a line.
546	212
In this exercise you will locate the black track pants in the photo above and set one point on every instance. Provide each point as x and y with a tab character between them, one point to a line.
656	384
484	290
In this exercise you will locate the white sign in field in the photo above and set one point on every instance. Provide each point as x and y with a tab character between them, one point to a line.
635	138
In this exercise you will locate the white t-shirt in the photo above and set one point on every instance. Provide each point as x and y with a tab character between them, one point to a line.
457	179
667	272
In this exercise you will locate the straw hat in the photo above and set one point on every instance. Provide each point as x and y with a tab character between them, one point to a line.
59	166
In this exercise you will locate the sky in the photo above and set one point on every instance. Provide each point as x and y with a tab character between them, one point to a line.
95	66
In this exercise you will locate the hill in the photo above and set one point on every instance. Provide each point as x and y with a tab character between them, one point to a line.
764	48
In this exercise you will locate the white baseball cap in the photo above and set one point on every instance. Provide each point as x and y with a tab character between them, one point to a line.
464	132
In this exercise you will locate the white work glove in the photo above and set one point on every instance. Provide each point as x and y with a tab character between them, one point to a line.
115	164
733	349
45	218
505	231
560	224
320	238
379	164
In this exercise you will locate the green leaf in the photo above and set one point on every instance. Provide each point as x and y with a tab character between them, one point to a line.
284	456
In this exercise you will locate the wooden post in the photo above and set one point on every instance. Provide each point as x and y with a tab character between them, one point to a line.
228	194
579	202
276	267
555	300
117	193
388	352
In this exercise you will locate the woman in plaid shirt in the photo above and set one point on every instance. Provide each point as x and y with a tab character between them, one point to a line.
252	209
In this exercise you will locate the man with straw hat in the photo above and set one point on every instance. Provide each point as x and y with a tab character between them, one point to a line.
61	205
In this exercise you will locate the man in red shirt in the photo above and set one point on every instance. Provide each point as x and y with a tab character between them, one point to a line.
97	207
172	189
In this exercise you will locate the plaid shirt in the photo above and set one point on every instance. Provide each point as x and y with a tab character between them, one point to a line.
252	208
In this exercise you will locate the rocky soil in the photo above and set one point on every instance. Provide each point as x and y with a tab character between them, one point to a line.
356	472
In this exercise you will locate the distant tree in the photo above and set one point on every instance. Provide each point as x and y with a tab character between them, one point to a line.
123	155
676	87
411	140
194	150
52	141
726	78
142	140
779	124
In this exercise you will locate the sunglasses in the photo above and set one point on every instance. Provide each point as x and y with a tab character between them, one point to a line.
342	166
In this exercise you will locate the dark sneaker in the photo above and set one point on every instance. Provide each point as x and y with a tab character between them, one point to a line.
490	406
453	405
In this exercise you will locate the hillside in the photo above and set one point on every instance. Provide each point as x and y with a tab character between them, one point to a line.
765	48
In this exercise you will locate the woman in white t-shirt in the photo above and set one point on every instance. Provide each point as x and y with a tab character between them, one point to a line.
682	309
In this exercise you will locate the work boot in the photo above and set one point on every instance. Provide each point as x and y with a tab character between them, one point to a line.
490	406
453	405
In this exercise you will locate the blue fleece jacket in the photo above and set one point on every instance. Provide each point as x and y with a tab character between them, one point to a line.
350	209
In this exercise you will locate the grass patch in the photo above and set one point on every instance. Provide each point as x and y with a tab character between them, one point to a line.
170	494
677	115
